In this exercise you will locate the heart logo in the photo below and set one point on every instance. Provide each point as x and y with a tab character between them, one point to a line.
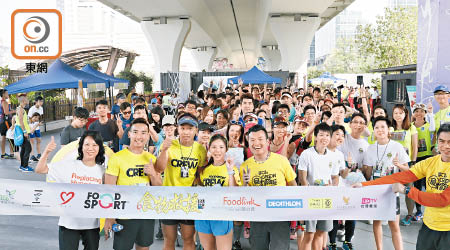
66	197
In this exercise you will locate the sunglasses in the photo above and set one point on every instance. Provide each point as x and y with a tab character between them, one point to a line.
237	123
126	113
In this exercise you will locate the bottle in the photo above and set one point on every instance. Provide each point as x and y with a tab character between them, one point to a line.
116	228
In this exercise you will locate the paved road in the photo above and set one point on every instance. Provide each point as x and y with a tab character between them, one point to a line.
41	232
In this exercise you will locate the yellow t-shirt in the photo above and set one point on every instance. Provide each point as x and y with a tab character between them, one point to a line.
275	171
182	164
218	175
129	167
441	117
404	137
437	174
423	140
25	120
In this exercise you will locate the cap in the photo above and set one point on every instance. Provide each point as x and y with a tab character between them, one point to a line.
252	115
441	88
419	106
300	119
280	120
134	97
249	126
168	120
187	120
154	100
286	95
205	126
22	94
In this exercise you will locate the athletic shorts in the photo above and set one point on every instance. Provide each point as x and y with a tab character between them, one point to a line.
323	225
176	222
139	232
397	210
214	227
35	134
4	126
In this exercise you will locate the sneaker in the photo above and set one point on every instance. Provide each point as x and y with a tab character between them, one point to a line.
4	156
332	246
247	233
347	245
10	156
418	216
38	156
26	169
237	245
293	234
406	221
159	235
33	158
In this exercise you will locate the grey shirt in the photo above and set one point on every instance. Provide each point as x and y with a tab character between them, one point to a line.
70	134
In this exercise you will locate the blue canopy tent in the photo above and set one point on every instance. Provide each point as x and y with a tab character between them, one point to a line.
110	80
255	76
327	78
59	76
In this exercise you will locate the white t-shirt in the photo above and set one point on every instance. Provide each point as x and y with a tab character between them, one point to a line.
33	110
35	124
319	167
76	172
374	94
380	157
356	147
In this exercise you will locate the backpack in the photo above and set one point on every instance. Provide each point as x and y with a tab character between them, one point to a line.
18	136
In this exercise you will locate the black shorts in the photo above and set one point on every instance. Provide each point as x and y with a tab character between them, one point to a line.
4	126
176	222
134	231
397	210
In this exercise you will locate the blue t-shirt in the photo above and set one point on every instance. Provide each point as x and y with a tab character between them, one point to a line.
114	111
126	123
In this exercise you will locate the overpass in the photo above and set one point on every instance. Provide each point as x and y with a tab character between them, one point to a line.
240	30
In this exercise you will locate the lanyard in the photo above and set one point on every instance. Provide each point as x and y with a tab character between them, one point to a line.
378	159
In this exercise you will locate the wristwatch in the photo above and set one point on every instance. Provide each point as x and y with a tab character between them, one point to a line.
231	172
407	189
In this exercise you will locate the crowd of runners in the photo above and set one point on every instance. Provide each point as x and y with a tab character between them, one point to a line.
248	135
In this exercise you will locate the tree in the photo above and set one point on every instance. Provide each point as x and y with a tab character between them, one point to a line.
392	41
346	58
134	77
314	72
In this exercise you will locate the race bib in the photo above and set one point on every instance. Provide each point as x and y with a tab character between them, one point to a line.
398	136
422	145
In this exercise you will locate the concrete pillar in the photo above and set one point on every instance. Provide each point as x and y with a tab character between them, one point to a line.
433	50
166	37
112	63
204	57
273	57
294	39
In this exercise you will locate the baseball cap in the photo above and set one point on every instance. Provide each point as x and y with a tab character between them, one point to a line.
441	88
168	120
186	119
419	106
300	119
205	126
120	96
134	97
286	95
251	115
22	94
279	120
154	100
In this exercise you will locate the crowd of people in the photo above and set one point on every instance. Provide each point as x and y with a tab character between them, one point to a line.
253	135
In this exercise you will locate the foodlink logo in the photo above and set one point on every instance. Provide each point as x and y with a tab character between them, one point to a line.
105	201
242	201
286	203
36	34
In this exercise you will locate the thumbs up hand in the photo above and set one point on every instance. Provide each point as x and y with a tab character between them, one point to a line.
51	145
149	169
246	176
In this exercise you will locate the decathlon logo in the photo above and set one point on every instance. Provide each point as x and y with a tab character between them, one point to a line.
105	201
36	34
287	203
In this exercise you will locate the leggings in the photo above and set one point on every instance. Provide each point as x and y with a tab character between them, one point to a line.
25	151
349	230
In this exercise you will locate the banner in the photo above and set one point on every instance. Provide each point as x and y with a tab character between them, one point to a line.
411	90
18	197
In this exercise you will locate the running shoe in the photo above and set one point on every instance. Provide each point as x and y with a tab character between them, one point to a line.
237	245
26	169
407	220
418	216
38	156
332	246
4	156
159	235
10	156
347	245
33	158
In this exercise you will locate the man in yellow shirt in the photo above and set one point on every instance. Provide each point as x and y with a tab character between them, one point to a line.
133	166
179	160
442	96
267	169
435	232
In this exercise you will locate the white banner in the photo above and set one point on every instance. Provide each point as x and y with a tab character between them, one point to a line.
18	197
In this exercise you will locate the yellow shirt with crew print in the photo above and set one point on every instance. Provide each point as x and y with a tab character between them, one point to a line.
404	137
129	167
182	164
441	117
424	140
275	171
218	175
437	174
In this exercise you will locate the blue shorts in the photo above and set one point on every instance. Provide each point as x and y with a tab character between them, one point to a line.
214	227
36	134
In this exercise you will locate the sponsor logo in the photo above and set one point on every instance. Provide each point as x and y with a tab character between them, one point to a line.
346	200
7	197
37	196
105	201
137	171
286	203
161	204
36	34
36	199
66	197
240	204
320	203
369	203
346	205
